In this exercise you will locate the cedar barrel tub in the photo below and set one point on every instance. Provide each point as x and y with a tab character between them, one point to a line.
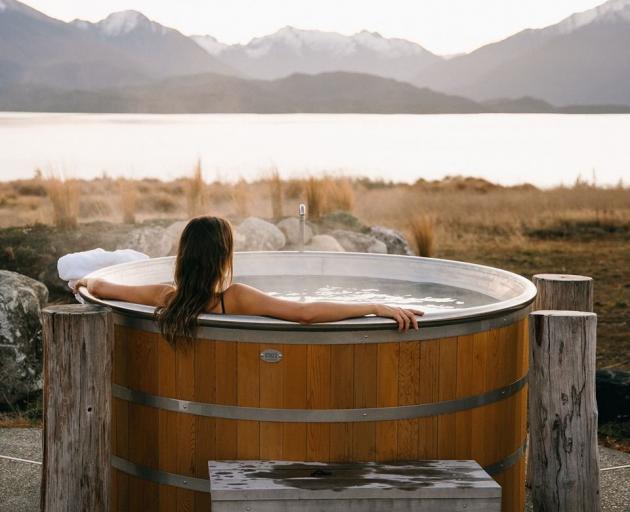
357	390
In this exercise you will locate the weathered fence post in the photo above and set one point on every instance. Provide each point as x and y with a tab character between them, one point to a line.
563	411
78	344
560	292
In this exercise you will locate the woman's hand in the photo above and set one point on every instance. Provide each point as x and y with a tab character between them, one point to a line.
406	318
90	284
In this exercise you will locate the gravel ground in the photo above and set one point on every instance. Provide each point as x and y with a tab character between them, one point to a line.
19	481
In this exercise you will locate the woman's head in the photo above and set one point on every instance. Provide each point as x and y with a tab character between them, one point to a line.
203	269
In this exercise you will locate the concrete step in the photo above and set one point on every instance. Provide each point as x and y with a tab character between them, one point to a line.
421	486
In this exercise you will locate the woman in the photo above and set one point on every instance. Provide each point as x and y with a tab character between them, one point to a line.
202	284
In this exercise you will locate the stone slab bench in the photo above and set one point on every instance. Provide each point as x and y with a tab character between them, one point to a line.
421	486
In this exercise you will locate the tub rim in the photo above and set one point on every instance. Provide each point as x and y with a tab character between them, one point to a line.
484	317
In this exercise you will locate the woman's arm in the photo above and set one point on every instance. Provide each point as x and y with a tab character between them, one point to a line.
151	295
245	300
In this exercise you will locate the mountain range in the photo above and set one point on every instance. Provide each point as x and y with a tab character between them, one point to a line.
127	62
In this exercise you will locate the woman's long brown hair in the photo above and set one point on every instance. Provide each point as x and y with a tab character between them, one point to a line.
203	269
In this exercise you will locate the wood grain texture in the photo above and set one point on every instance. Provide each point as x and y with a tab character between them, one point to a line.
332	377
78	351
563	411
563	292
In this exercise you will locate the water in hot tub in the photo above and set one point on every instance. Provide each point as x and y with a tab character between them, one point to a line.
408	294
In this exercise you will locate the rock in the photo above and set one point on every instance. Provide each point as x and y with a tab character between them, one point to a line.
341	220
324	243
359	242
151	240
21	301
394	240
239	240
260	235
613	395
173	233
291	229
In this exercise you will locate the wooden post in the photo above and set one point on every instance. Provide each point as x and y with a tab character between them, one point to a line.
560	292
563	411
563	292
78	345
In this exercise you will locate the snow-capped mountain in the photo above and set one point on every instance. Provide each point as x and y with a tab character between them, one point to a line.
163	51
583	59
291	50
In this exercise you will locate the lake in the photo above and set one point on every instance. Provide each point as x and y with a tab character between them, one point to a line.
543	149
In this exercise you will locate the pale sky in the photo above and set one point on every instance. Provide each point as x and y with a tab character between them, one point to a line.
441	26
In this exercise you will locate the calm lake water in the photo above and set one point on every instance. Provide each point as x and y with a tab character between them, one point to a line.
512	148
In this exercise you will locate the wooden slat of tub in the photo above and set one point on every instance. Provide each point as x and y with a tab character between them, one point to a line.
318	396
365	379
478	386
143	420
408	394
342	386
463	420
204	426
271	395
294	441
447	391
248	395
120	421
387	396
428	392
167	423
185	382
492	434
225	379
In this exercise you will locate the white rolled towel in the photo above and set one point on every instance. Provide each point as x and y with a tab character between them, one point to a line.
76	265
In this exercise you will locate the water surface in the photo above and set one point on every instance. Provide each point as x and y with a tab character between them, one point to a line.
544	149
408	294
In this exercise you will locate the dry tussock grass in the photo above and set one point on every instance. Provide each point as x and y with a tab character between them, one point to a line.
128	200
276	193
240	198
196	196
421	235
64	198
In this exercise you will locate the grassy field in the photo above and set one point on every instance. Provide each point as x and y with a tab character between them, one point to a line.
580	230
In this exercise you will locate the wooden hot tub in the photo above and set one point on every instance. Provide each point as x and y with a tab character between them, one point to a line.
357	390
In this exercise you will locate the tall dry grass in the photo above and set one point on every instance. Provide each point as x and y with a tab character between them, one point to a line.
241	198
339	194
276	193
64	196
196	195
421	234
315	192
128	200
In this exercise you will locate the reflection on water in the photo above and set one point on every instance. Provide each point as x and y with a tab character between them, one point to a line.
425	296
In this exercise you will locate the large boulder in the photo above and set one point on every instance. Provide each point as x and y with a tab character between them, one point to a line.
291	229
324	243
173	233
21	301
259	235
394	240
359	242
153	241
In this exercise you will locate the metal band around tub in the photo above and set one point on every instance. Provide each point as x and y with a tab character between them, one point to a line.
236	412
203	485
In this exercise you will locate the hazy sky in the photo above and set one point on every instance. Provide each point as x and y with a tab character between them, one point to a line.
442	26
